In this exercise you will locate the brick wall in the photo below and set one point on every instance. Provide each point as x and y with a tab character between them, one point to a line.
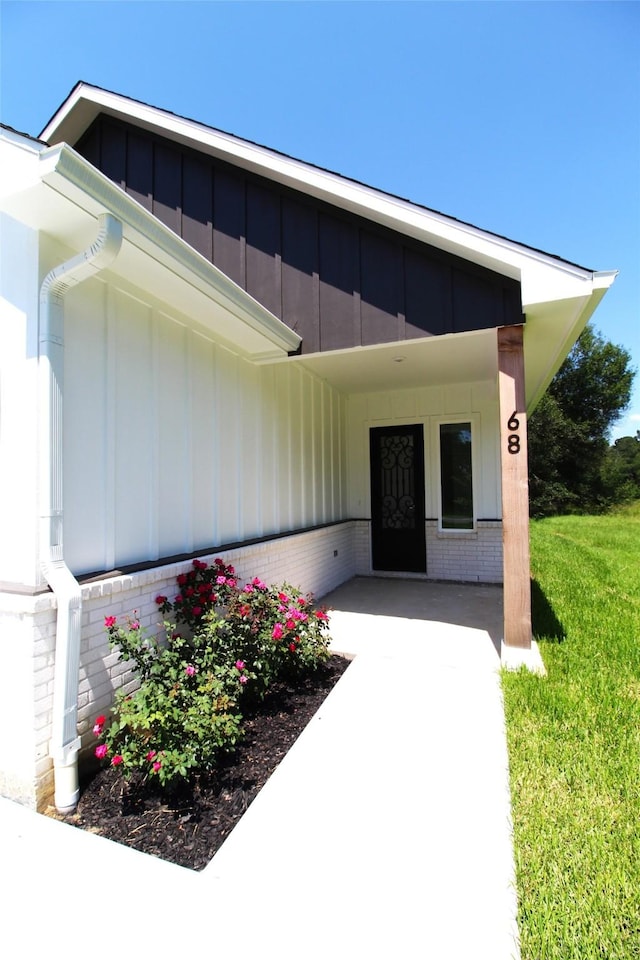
473	556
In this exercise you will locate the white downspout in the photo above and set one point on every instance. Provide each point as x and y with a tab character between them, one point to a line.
65	742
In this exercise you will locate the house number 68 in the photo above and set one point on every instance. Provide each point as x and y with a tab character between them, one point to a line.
513	440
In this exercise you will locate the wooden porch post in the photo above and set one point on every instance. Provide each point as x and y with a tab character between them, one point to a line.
515	488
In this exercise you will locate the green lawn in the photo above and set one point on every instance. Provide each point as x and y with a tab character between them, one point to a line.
574	743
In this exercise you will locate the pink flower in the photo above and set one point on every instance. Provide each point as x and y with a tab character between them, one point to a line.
116	761
160	599
248	588
110	622
297	614
260	584
290	624
156	766
221	580
278	632
283	598
190	670
101	751
151	755
231	582
243	679
321	615
134	625
197	611
239	664
97	730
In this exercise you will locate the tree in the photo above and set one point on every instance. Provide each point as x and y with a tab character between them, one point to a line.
568	432
621	469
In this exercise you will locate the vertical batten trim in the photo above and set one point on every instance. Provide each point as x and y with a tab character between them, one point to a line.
326	452
190	414
111	373
234	453
289	455
304	494
331	414
154	509
215	441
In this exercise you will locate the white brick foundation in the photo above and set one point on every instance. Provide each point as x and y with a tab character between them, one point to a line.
473	556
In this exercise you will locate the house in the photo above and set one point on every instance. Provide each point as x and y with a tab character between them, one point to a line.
210	348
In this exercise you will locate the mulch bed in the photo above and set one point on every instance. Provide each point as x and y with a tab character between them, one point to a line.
188	826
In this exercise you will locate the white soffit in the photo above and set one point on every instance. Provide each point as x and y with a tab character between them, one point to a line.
408	364
543	275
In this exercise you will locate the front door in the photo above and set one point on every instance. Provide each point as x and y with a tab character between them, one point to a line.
397	498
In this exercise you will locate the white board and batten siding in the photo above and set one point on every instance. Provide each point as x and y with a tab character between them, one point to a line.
174	442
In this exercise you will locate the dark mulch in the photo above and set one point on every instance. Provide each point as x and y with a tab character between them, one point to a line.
188	826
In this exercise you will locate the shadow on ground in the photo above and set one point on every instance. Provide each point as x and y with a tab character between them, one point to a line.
546	625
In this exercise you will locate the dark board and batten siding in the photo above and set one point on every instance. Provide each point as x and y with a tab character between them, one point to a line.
338	280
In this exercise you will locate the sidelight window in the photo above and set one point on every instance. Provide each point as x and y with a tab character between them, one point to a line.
456	476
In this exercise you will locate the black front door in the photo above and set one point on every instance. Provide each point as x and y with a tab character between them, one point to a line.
397	498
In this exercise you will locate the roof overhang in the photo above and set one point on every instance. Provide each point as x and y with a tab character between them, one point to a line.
55	190
86	102
558	296
550	331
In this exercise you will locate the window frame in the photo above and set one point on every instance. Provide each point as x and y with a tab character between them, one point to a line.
473	427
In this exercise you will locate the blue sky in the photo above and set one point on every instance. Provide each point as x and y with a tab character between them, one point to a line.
520	117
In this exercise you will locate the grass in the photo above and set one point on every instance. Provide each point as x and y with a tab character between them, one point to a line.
574	743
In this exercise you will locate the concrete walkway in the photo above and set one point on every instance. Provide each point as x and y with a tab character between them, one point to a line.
384	833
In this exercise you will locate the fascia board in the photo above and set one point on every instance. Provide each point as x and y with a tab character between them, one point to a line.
570	319
68	173
464	240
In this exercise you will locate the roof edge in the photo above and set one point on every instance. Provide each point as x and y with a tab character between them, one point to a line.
440	229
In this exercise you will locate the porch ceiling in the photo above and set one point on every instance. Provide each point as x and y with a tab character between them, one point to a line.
409	364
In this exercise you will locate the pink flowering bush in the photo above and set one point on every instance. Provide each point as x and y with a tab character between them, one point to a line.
184	713
236	642
200	591
275	631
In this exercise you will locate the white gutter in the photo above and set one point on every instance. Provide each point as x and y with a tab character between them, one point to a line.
65	742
